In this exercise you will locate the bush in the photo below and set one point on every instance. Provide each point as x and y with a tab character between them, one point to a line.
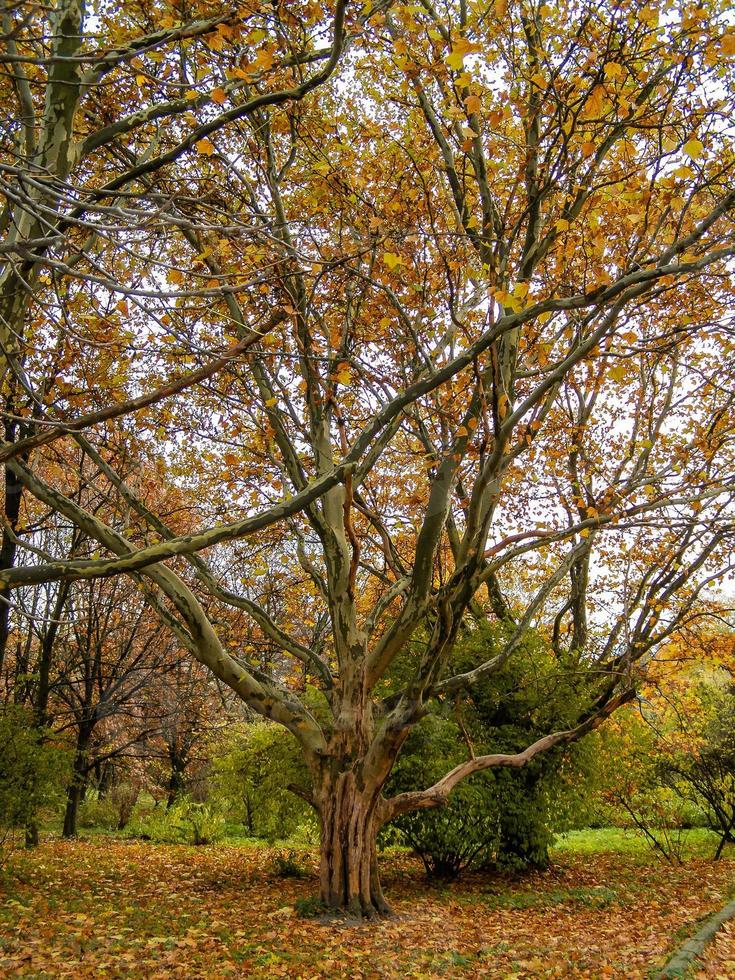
33	770
502	818
186	822
97	813
124	796
674	763
287	864
252	767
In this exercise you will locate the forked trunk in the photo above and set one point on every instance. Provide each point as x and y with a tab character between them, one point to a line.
349	879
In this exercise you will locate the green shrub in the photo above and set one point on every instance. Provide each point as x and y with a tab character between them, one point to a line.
33	769
501	818
252	767
186	822
94	812
287	864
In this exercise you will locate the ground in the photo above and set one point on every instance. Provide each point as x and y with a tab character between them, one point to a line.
718	959
113	908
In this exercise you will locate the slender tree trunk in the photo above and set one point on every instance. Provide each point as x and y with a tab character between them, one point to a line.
349	821
76	788
104	780
8	547
176	782
73	799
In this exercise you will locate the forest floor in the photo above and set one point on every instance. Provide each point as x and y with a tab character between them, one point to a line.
106	907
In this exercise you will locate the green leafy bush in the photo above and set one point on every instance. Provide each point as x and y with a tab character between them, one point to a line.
186	822
288	864
34	769
94	812
501	818
252	767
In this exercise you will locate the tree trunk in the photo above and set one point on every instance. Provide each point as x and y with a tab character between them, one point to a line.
176	781
75	790
8	546
349	822
73	798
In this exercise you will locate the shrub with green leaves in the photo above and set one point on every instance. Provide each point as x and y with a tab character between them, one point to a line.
186	822
252	768
34	769
500	818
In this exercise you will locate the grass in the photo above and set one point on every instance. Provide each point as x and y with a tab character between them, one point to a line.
698	842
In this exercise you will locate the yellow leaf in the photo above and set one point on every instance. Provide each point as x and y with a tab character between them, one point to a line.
473	103
683	172
614	70
264	59
391	259
343	375
588	149
649	16
562	224
218	95
204	146
501	8
462	432
694	149
727	44
460	49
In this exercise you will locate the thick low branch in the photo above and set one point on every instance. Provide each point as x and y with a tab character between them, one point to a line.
437	794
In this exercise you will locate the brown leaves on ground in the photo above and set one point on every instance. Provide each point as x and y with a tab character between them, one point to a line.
718	960
107	908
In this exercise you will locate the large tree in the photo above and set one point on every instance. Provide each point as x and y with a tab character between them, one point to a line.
488	260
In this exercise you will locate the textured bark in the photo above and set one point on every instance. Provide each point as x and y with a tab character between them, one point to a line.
177	780
350	817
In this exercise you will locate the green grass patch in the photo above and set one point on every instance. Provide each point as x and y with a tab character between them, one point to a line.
698	842
596	897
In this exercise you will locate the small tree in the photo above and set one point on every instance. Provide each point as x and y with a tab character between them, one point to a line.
253	766
33	769
702	771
